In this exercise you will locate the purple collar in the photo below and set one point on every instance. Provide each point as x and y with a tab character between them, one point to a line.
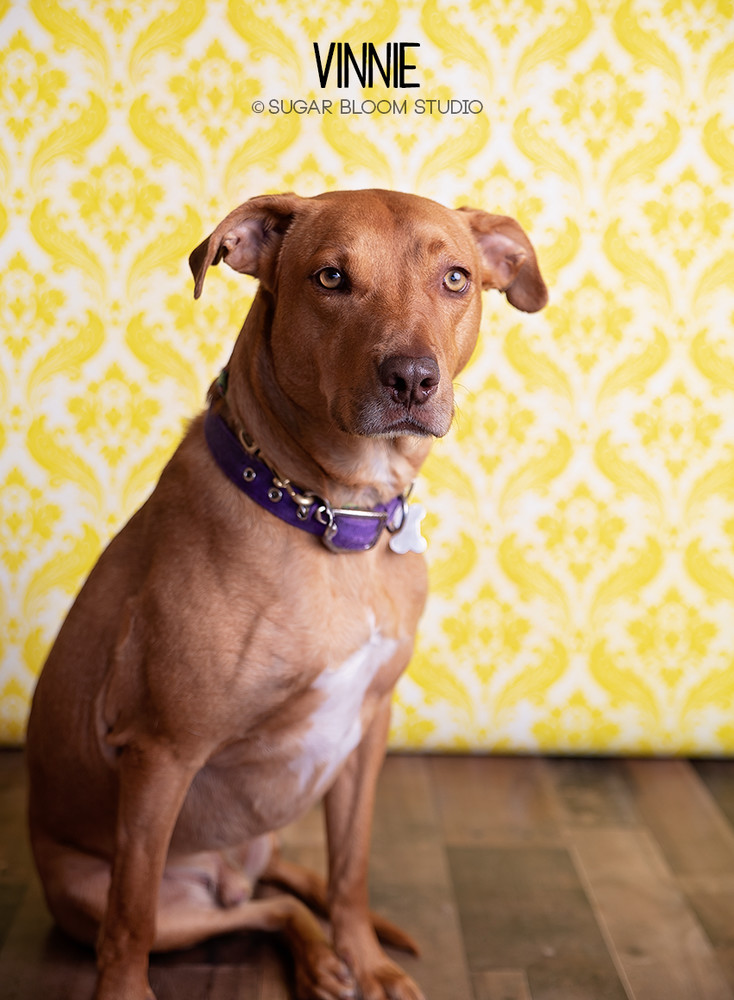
342	529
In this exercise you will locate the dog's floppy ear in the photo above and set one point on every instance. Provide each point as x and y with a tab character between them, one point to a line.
508	259
248	239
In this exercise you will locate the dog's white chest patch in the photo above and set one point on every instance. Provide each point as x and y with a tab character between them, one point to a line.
335	727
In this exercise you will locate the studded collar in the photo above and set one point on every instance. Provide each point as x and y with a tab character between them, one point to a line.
341	529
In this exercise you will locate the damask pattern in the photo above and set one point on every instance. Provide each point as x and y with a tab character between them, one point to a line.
582	510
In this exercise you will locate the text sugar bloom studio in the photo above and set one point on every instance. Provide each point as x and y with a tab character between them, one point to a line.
352	106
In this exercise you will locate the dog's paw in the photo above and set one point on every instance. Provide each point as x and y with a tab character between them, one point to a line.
321	975
387	981
376	975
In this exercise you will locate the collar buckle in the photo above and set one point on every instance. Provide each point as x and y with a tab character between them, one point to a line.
329	516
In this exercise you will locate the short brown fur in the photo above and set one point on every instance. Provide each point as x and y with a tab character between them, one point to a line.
178	720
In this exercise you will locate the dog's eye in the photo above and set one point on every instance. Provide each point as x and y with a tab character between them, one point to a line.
456	280
331	277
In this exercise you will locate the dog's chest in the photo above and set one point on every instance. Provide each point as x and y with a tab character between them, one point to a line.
335	725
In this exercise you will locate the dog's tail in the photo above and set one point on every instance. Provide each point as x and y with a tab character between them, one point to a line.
311	888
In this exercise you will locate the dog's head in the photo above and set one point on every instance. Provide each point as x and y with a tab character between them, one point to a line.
376	298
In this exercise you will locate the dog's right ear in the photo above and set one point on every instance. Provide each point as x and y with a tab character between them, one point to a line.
248	239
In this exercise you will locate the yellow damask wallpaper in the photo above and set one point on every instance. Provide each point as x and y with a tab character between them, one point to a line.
582	510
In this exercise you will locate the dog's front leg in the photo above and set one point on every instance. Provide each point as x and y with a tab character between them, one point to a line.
349	805
153	783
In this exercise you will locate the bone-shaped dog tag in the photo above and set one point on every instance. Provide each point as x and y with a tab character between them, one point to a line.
409	538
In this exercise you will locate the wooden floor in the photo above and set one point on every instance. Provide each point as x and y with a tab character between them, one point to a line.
536	878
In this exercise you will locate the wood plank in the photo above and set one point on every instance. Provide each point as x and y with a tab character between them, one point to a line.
273	984
407	846
642	906
592	792
15	854
38	961
182	982
11	896
524	908
658	944
693	835
725	958
718	777
219	969
210	982
12	772
503	984
495	801
410	879
712	900
16	866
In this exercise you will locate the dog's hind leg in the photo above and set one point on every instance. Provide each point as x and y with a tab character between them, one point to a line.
190	910
76	885
188	914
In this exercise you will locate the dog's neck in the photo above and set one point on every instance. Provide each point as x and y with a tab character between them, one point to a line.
307	447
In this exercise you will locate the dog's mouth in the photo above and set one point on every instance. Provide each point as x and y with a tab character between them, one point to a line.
410	425
386	419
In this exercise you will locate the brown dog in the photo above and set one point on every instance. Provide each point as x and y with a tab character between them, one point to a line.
223	668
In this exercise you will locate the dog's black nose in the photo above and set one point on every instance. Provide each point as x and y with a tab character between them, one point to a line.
410	381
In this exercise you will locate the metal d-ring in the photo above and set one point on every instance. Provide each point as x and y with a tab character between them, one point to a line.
325	515
391	526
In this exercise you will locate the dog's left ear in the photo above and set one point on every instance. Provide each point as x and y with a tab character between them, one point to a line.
508	259
248	239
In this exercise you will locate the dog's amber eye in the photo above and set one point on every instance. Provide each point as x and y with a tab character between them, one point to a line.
331	277
456	280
